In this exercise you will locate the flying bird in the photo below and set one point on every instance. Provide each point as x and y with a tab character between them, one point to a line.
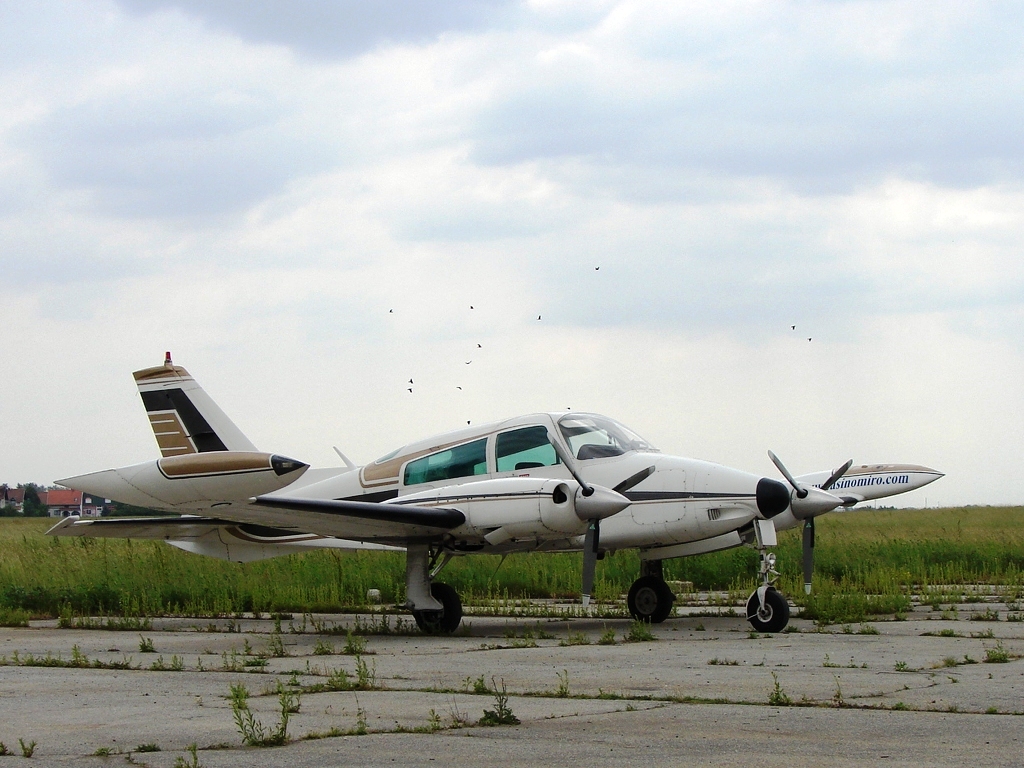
410	389
597	269
470	306
793	327
808	339
468	362
538	317
410	381
391	311
479	346
458	387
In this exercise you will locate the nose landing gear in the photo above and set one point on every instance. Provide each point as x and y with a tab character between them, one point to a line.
767	609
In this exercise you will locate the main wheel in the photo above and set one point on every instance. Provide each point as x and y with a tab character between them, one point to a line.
773	617
650	599
445	621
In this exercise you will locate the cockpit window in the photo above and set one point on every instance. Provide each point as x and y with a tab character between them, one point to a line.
460	461
524	449
594	437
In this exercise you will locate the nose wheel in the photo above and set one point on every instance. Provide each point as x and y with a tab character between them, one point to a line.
767	609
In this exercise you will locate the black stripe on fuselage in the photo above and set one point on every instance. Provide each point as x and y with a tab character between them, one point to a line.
202	434
682	496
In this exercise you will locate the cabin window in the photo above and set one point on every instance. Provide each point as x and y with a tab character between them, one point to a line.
461	461
524	449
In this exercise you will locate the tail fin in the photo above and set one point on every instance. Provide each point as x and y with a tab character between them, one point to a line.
184	418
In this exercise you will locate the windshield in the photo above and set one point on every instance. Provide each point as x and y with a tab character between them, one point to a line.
594	437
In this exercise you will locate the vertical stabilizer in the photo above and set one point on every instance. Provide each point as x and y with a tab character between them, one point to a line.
184	418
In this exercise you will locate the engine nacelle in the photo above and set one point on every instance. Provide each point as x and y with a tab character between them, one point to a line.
511	507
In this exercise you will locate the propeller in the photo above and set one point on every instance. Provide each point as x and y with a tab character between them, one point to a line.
806	506
808	543
593	504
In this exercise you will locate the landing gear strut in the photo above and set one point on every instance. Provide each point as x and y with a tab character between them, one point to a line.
435	606
649	598
767	609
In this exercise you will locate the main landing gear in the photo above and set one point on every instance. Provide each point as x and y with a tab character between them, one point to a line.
435	606
649	598
767	609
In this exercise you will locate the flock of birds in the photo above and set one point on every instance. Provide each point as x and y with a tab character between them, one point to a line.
480	346
412	382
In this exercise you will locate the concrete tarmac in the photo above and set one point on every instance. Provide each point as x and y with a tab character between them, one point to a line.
933	690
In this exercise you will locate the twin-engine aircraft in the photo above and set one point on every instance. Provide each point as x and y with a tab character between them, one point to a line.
550	482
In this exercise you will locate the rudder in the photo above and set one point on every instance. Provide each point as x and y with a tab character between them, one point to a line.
183	417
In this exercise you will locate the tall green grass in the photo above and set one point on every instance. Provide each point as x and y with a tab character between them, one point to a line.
859	554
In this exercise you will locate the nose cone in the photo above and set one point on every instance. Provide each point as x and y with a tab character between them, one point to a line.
772	497
602	503
816	502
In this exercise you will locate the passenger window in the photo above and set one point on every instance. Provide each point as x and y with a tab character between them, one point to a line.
460	461
524	449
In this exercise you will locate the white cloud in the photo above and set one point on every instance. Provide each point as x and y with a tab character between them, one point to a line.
257	199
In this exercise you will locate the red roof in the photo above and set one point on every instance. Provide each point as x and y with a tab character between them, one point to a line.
61	498
17	495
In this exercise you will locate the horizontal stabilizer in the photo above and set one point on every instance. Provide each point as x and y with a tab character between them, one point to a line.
209	536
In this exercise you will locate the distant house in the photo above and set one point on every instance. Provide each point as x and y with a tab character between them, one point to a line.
61	503
13	498
93	506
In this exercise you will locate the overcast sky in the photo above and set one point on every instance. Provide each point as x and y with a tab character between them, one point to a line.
309	204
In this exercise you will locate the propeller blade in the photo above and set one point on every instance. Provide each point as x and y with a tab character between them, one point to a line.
632	480
808	553
590	545
836	475
570	464
801	492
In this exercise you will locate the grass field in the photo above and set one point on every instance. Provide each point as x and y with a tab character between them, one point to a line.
865	562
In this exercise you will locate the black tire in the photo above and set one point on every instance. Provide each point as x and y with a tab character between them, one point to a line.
775	616
650	599
445	621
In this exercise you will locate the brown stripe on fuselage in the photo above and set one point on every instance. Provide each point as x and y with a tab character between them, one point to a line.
872	469
214	463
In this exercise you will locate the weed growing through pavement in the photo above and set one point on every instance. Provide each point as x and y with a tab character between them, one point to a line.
193	762
575	638
354	645
146	645
639	632
607	637
254	733
776	696
997	655
562	691
837	697
501	714
27	749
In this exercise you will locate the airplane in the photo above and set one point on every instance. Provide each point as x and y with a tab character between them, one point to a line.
545	482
